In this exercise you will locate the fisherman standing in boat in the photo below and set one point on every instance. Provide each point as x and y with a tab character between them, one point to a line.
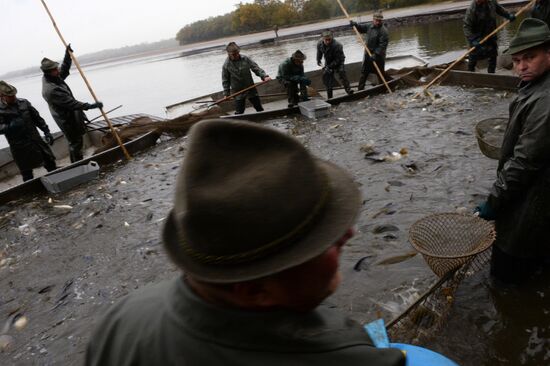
65	109
377	42
19	121
541	11
519	200
292	77
258	226
479	21
236	76
333	52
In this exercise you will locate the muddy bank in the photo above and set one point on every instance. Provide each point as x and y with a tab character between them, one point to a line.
64	262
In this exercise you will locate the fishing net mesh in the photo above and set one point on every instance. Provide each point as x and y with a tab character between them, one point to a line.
448	240
455	246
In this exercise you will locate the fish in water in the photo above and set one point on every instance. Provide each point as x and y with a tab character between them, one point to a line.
397	259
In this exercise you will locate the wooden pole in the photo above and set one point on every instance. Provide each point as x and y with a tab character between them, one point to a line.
505	23
109	111
235	94
75	61
380	74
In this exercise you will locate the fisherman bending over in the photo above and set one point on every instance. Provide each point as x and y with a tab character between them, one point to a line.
333	52
291	75
18	122
65	109
258	226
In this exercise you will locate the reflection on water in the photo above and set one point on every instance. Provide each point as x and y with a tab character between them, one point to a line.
147	85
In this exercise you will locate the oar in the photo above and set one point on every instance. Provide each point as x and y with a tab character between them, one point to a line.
505	23
109	111
365	47
75	61
233	95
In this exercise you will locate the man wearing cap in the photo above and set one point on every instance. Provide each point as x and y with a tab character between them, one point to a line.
377	41
541	11
291	76
236	76
19	121
258	225
65	109
479	21
333	52
519	199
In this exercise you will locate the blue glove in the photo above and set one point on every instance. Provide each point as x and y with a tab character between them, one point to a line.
511	17
49	138
485	211
305	81
475	43
352	23
372	58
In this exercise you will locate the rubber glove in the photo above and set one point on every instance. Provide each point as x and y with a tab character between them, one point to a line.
511	17
352	23
49	138
485	211
96	105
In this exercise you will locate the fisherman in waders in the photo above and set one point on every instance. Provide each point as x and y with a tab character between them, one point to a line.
519	200
292	77
377	43
236	76
257	228
333	52
65	109
479	21
19	121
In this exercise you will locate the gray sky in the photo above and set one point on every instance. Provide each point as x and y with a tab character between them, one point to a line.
28	34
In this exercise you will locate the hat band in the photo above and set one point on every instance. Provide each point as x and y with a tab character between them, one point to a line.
291	237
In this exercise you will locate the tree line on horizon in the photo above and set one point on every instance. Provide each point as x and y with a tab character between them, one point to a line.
262	15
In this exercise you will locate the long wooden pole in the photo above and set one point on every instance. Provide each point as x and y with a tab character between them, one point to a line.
505	23
380	74
235	94
75	61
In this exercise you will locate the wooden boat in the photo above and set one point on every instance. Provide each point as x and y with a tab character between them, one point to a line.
12	187
274	97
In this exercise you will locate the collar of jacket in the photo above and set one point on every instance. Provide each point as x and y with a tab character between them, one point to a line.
54	79
271	331
528	88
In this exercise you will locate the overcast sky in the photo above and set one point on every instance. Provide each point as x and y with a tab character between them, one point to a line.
27	34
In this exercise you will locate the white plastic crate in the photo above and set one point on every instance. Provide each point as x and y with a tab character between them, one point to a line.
67	179
314	108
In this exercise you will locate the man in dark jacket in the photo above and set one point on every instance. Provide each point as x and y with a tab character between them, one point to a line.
65	109
333	52
519	200
479	21
236	76
291	75
541	11
377	42
257	226
18	122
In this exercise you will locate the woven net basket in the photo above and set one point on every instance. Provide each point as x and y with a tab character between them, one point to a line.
489	135
448	240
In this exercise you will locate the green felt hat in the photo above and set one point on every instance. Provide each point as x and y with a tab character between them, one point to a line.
531	33
7	89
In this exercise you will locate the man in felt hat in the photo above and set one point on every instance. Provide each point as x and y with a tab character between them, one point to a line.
519	200
541	11
236	76
65	109
333	52
19	121
291	76
479	21
258	225
377	42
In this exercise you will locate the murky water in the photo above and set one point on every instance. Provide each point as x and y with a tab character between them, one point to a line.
147	85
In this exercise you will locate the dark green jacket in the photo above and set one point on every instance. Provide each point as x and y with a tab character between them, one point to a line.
481	20
19	123
333	53
541	11
288	69
236	76
377	38
520	195
65	109
168	325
